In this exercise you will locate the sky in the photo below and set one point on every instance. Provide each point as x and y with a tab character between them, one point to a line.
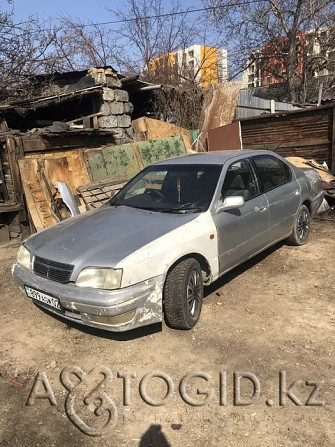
87	11
83	9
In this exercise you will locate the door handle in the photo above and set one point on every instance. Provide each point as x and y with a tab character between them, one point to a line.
297	192
261	209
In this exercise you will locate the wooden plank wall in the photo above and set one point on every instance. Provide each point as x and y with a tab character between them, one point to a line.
65	167
81	167
307	134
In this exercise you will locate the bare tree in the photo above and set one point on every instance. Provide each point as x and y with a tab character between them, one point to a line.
279	35
158	39
25	49
148	36
179	105
80	45
149	31
32	46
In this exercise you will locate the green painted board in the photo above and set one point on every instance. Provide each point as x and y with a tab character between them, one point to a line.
155	150
97	165
121	161
113	162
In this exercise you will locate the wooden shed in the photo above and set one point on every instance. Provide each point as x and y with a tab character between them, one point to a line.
307	133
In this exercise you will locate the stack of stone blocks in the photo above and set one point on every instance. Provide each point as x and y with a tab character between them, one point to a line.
114	107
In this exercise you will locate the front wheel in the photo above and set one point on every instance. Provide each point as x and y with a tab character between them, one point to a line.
301	227
183	294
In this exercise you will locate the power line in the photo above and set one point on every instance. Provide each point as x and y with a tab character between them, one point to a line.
170	14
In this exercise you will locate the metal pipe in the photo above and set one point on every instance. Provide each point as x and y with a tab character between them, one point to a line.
151	87
320	94
129	78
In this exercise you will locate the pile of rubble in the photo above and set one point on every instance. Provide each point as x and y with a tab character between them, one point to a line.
327	208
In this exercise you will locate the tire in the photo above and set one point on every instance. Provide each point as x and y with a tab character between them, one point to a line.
301	227
183	295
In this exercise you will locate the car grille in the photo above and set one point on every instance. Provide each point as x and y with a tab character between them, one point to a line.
55	271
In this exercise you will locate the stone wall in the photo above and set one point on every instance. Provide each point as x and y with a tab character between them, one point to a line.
116	110
114	106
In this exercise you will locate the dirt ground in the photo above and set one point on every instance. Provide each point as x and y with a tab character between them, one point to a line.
275	313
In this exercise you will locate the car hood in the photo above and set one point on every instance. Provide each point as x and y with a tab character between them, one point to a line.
105	236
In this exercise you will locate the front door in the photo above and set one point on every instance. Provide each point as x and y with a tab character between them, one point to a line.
244	231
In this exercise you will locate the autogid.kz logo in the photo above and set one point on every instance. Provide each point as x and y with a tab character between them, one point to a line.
94	404
90	408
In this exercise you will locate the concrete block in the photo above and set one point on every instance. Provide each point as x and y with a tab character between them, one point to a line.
121	95
124	121
128	108
108	94
130	133
116	108
112	82
105	108
108	122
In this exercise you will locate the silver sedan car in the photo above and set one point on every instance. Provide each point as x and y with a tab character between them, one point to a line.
178	225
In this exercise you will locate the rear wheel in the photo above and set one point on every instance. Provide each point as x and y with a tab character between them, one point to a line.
301	227
183	294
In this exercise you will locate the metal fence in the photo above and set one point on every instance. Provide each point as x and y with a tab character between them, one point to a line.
249	105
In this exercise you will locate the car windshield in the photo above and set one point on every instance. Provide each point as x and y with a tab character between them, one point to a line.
171	188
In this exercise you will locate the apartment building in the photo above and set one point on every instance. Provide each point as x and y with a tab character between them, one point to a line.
200	63
266	67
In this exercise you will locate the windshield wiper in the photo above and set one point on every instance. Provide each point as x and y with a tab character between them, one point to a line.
160	210
178	210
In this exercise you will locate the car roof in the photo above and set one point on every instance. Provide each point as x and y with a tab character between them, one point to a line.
211	158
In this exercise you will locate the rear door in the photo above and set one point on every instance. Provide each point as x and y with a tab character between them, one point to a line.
282	191
244	231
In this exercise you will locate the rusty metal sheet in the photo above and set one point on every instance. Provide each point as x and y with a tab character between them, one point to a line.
225	137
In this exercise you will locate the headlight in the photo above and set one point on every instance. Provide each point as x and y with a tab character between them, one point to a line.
24	257
99	278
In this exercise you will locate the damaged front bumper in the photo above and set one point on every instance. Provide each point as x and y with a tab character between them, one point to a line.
113	310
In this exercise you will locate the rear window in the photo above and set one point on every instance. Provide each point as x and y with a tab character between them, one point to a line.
272	172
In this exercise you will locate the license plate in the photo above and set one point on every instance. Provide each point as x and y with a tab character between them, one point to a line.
43	298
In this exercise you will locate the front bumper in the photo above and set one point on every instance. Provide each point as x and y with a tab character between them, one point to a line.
92	307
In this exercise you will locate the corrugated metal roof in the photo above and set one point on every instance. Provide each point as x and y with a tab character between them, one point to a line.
289	112
40	101
250	105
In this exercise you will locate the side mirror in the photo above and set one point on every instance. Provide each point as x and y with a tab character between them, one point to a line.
230	203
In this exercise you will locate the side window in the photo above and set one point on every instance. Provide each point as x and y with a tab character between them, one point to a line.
239	181
272	172
287	171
